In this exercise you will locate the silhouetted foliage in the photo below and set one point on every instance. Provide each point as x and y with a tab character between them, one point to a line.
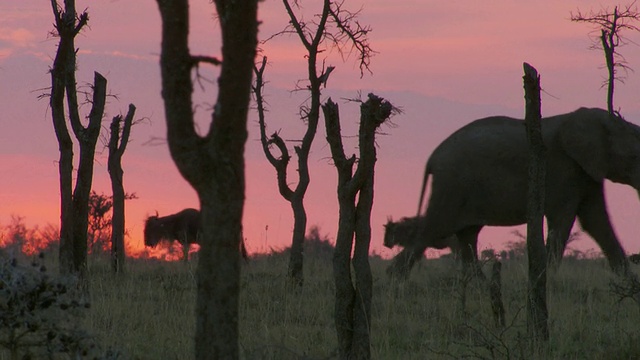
100	221
18	239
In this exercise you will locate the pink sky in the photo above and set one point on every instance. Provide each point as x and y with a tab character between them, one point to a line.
445	63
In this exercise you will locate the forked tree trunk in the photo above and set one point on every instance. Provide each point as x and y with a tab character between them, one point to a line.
537	314
214	164
74	210
353	301
117	146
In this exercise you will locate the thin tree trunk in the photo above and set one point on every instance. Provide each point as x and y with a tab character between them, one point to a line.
117	146
345	293
353	301
495	294
537	314
87	140
296	257
63	63
608	45
362	269
74	209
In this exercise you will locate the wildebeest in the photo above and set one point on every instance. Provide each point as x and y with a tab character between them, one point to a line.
405	231
183	227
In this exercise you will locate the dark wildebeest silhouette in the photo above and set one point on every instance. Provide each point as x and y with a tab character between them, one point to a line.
183	227
405	232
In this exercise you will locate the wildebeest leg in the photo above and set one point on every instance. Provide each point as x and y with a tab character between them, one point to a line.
468	238
404	261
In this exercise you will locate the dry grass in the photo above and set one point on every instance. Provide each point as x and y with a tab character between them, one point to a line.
149	313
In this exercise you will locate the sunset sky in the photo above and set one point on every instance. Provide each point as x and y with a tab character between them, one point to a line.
445	63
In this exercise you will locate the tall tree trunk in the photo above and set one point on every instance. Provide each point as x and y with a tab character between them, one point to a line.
117	146
362	269
214	164
537	314
87	140
353	301
74	206
608	46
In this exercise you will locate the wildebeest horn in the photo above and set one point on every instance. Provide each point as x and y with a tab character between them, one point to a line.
157	215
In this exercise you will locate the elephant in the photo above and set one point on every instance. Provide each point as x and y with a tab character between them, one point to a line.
479	178
182	226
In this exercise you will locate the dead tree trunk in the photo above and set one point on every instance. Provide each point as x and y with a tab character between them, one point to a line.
315	35
74	206
495	294
608	46
213	164
117	146
537	315
353	303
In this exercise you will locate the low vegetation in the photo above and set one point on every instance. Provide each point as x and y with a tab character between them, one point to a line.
148	312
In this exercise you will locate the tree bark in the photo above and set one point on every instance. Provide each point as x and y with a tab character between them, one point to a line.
296	256
495	294
74	206
353	303
87	139
608	46
214	164
117	146
537	314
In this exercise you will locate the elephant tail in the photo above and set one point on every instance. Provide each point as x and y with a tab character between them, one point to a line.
427	171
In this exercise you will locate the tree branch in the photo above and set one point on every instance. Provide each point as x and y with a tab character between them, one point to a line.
351	31
196	59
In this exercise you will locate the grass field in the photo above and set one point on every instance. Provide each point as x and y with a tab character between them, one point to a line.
149	312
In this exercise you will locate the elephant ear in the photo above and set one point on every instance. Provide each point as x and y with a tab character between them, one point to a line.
584	139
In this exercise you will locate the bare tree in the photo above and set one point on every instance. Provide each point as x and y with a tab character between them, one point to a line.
117	145
74	206
353	301
537	314
336	27
212	164
610	26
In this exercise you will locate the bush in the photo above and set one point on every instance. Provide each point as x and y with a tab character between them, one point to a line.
40	315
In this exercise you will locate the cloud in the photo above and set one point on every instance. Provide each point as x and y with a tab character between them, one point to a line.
19	37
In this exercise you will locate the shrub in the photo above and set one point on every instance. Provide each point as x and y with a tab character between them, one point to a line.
40	315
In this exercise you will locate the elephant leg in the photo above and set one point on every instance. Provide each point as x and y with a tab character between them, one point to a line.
594	219
559	231
468	238
403	262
